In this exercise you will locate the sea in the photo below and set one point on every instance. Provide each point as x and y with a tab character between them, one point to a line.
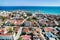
53	10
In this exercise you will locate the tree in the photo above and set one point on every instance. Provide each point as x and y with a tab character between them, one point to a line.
20	38
3	18
24	17
29	19
29	13
34	18
43	25
11	24
3	23
9	29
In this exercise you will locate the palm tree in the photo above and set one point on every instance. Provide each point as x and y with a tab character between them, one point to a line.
9	29
3	18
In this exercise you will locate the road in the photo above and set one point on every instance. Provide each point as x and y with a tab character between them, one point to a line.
19	31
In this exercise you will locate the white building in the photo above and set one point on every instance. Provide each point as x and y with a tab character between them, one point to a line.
6	37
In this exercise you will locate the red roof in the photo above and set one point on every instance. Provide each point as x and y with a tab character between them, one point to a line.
2	31
17	22
5	34
48	29
25	37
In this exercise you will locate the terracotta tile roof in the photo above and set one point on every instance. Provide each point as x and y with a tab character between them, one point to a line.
2	31
25	37
48	29
17	22
5	34
25	29
16	29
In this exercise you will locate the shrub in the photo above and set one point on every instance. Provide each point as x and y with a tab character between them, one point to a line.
29	19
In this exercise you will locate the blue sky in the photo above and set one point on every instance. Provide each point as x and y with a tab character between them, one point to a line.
29	2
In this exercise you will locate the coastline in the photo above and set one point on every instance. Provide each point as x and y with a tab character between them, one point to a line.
43	9
33	12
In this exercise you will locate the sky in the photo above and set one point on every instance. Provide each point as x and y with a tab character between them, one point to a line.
29	2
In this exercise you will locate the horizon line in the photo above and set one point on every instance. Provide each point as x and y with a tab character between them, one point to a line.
47	6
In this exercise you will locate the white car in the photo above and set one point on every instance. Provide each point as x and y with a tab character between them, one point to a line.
50	38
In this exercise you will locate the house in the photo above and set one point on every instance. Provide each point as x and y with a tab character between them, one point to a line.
26	37
1	31
16	21
27	24
16	29
6	37
48	29
36	38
